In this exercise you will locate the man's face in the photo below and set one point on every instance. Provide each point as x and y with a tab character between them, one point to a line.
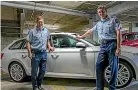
102	13
40	22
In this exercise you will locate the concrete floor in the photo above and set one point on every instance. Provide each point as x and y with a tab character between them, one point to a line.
56	84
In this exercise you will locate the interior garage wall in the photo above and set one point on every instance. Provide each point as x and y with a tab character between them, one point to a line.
134	27
10	25
6	41
8	13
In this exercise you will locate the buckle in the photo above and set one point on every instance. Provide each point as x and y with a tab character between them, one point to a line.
103	41
43	50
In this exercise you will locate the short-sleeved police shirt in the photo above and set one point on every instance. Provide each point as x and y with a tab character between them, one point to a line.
107	28
38	38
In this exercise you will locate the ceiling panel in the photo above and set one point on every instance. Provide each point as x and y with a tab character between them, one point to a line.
87	8
66	22
68	19
66	4
133	12
98	2
75	24
91	6
63	4
129	15
53	16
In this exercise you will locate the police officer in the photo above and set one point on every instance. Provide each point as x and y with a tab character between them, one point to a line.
108	29
38	39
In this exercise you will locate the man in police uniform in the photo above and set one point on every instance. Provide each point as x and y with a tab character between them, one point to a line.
108	29
38	39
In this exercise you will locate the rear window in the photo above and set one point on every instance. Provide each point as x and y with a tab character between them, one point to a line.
17	45
132	37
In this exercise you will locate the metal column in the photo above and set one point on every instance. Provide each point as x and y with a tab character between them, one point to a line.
22	23
95	34
130	27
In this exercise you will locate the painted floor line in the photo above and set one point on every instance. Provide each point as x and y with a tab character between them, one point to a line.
56	87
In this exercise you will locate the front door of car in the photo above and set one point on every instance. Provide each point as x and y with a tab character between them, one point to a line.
67	58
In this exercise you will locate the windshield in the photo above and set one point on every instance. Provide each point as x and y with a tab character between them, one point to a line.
91	41
88	39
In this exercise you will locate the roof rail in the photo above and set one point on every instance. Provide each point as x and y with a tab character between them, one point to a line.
57	32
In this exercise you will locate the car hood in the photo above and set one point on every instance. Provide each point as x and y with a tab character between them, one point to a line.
129	49
134	41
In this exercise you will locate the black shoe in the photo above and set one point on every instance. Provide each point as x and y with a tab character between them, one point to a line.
40	88
35	88
94	88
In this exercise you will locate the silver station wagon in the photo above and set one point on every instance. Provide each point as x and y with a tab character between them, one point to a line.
72	58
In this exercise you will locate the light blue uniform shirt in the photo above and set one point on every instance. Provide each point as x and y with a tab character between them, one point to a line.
106	28
38	38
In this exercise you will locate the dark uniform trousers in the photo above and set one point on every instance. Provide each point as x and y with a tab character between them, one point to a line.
38	63
107	57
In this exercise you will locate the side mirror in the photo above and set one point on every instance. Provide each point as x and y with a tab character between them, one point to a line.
80	45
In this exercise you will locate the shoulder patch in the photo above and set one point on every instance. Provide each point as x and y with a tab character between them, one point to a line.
117	20
30	31
45	28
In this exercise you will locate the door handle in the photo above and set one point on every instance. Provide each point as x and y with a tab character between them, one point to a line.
54	56
24	56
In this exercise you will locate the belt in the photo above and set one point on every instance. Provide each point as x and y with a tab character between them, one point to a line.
108	40
37	50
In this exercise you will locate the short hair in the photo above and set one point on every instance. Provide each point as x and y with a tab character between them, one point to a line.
102	7
38	18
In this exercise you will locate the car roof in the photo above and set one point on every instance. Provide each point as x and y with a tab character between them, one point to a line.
56	33
63	33
130	33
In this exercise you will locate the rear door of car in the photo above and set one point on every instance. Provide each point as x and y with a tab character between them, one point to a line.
28	60
20	53
13	53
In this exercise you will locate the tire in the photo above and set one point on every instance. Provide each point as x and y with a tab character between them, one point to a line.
124	77
17	72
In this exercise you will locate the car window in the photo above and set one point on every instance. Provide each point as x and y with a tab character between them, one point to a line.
123	38
24	44
130	37
17	44
136	36
63	41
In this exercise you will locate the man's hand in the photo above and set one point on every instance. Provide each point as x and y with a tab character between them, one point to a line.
85	34
79	37
30	55
28	46
51	49
118	52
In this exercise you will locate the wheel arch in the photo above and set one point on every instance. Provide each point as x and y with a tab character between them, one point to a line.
18	61
130	64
